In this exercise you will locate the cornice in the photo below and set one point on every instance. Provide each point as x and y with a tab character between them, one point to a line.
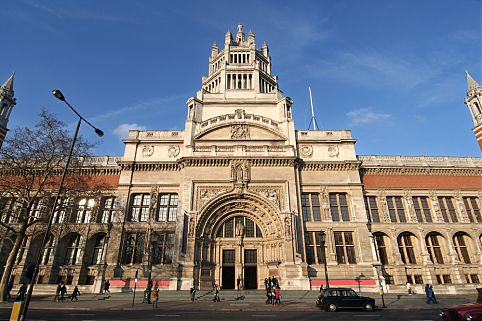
421	171
330	166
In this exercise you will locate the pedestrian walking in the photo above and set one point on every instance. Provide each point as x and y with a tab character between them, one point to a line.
75	293
21	293
268	295
57	292
409	288
155	297
321	288
273	301
277	297
428	294
106	286
63	292
216	293
432	297
192	292
9	288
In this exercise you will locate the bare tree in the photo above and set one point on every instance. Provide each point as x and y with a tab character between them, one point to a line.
31	162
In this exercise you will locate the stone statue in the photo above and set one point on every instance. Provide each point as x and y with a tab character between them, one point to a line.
239	229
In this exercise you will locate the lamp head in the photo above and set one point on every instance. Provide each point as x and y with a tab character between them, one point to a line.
322	236
369	226
99	132
58	94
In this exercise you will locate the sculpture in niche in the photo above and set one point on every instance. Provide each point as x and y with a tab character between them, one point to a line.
325	205
333	151
239	229
148	150
287	226
240	171
306	150
173	151
191	226
239	131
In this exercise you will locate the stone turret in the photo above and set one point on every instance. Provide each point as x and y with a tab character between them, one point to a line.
474	102
7	101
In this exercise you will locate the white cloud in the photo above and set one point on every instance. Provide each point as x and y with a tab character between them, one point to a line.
366	115
122	130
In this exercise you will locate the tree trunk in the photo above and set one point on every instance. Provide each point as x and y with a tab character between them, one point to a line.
10	263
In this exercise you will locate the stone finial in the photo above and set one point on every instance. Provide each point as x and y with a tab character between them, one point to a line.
239	34
264	49
471	83
214	50
228	38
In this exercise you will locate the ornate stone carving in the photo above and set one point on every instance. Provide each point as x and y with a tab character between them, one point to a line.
407	196
383	204
173	151
271	194
306	150
240	171
208	193
148	150
239	131
333	151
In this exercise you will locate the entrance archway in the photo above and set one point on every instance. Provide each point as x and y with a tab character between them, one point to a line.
235	236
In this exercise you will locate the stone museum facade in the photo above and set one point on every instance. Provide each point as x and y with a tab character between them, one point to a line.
241	194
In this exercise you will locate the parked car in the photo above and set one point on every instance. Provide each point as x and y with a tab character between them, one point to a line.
332	299
464	312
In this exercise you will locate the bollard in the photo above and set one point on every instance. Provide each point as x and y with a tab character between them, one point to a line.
17	308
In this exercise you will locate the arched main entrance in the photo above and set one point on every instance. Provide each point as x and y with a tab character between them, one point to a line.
237	236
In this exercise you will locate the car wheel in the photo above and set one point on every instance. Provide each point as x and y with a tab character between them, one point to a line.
368	306
332	307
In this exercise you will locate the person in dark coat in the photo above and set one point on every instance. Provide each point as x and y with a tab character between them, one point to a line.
63	291
432	297
106	286
21	293
57	292
75	293
428	294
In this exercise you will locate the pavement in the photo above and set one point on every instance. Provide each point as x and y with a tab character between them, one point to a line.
232	301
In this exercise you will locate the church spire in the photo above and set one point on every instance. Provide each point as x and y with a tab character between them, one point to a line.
7	101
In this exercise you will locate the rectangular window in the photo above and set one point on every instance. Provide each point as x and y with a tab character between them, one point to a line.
310	206
228	256
107	209
339	207
310	251
446	205
395	209
250	257
162	246
372	209
473	210
61	209
422	209
167	207
345	248
134	248
84	210
139	209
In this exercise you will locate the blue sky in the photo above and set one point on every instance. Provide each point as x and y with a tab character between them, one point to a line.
391	71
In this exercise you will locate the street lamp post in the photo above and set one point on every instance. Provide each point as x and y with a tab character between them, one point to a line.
323	254
58	94
378	263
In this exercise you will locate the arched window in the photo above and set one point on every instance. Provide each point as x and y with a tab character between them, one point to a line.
99	243
48	250
405	246
434	249
72	255
228	228
460	243
381	247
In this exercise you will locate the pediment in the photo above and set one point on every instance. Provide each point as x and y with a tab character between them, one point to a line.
240	131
